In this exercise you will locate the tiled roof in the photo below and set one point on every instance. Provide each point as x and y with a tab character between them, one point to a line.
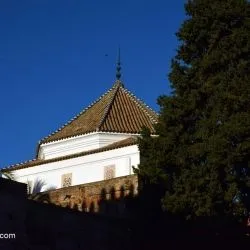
117	110
124	143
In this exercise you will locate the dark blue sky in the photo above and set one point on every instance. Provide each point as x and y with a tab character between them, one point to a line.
57	56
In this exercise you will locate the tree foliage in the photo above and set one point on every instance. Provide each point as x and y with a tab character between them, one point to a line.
39	186
201	158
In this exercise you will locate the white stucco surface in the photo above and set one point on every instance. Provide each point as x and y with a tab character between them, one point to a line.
79	144
84	169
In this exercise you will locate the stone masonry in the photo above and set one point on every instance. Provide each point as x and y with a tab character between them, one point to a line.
95	197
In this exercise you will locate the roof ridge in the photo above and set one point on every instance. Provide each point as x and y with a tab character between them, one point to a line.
141	104
18	164
104	106
77	115
108	107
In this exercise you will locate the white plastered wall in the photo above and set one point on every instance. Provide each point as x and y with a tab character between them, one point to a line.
78	144
84	169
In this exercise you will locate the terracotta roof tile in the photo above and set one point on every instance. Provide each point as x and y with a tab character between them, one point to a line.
124	143
116	111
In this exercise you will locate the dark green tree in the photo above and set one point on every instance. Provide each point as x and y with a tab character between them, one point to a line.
201	158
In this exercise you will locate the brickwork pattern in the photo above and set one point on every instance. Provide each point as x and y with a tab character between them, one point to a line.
94	197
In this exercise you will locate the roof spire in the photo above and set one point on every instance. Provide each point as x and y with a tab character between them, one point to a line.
118	66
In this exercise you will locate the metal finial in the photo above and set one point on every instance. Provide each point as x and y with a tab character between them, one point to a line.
118	66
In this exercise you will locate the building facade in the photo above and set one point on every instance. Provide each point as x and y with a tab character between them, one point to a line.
99	144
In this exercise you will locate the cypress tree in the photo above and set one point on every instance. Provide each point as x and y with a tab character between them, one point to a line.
201	158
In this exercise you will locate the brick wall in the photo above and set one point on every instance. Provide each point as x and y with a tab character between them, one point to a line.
107	197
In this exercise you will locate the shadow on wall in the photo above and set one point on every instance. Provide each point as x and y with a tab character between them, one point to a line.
113	201
41	197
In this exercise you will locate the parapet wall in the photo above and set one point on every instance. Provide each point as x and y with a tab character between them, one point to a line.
45	226
13	208
106	197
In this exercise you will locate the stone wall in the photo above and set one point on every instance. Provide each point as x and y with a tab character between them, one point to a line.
47	226
13	208
110	197
57	228
41	226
